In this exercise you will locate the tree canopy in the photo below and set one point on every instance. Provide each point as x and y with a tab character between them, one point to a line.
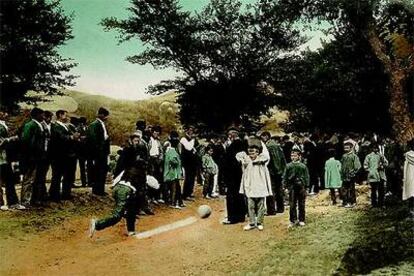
388	27
30	32
224	52
238	61
340	87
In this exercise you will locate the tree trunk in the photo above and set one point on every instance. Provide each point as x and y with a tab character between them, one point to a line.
403	123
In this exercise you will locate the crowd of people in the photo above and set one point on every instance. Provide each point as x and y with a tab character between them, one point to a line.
256	172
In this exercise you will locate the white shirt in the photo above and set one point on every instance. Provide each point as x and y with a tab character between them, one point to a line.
3	123
381	149
106	136
155	149
265	152
408	179
188	145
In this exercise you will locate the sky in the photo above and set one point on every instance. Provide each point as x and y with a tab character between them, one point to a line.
102	68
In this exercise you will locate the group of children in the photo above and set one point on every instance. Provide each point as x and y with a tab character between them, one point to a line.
340	177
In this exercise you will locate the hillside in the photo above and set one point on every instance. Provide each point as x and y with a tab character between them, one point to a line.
158	110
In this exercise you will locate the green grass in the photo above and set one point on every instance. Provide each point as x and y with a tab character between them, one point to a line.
345	242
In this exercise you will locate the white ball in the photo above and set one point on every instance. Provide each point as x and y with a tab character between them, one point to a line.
204	211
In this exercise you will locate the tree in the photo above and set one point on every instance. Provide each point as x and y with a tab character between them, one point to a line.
224	53
388	27
30	32
341	87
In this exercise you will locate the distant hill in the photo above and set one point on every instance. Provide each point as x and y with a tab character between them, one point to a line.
159	110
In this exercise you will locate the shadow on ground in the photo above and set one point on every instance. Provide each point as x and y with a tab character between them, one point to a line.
384	240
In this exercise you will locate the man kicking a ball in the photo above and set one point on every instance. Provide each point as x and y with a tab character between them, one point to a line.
125	203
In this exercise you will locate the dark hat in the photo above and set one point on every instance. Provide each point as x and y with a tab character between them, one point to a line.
174	134
156	128
103	111
141	124
233	128
82	120
36	112
48	114
265	133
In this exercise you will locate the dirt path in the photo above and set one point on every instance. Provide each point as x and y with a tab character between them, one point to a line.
205	247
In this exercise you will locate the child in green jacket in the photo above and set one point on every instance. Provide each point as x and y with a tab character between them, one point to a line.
173	173
333	178
209	169
375	164
296	179
350	167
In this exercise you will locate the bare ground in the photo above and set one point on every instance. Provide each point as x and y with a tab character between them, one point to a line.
203	248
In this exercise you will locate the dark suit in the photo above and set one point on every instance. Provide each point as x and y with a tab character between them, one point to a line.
63	162
99	149
33	152
40	194
236	204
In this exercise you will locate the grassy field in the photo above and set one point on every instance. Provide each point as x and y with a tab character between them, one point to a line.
347	242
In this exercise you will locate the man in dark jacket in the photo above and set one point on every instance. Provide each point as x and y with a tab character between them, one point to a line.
189	160
63	157
277	164
99	148
236	205
33	151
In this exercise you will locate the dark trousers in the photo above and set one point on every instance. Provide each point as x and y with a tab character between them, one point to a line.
348	192
297	197
90	172
377	193
321	177
124	207
190	174
8	181
313	180
175	192
99	172
63	172
235	203
208	184
274	203
39	188
82	168
333	195
220	180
